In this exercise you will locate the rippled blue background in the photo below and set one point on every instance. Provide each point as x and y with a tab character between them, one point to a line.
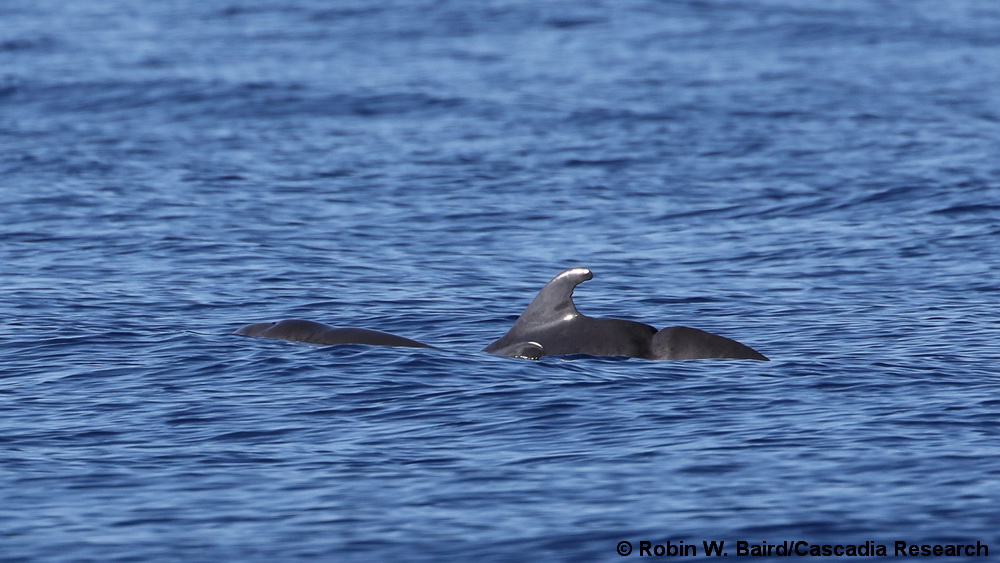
819	180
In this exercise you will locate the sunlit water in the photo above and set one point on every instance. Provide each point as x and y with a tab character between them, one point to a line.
819	180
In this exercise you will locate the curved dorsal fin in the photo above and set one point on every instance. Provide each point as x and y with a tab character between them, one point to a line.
555	301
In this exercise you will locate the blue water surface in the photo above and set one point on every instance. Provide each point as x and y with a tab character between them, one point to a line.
818	180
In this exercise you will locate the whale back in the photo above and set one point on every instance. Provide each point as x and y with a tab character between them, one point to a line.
553	322
685	343
298	330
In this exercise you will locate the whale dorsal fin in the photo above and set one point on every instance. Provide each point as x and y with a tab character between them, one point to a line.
554	303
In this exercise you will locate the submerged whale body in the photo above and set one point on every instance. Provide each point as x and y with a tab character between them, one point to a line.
312	332
551	326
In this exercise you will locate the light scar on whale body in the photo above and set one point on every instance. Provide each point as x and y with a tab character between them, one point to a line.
552	326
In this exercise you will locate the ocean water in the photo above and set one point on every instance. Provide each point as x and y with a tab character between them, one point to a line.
819	180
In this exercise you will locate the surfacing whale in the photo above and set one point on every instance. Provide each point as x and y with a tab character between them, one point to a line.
312	332
551	326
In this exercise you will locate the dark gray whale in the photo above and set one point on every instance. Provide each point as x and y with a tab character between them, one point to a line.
551	326
318	333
